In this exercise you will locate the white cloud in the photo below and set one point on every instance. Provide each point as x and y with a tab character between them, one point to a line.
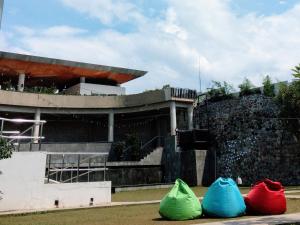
230	47
60	31
107	11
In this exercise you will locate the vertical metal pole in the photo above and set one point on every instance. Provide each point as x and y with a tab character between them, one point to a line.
56	176
72	173
2	125
89	170
78	165
49	165
31	138
40	137
62	167
18	145
1	11
104	168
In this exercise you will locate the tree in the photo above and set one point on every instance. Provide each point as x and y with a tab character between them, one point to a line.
289	100
220	91
296	71
5	149
5	152
268	87
247	88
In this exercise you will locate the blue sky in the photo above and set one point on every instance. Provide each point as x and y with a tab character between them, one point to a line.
232	38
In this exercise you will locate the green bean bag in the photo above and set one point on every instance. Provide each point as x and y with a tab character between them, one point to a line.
180	203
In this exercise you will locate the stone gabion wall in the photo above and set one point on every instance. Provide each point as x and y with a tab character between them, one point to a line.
250	139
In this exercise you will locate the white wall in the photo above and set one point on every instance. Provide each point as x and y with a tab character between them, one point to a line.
23	187
89	89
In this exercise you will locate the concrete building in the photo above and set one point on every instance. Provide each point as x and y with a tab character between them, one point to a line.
63	118
89	105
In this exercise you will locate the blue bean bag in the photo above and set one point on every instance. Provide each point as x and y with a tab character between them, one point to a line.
223	199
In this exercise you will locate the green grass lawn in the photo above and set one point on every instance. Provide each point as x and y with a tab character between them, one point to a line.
124	215
156	194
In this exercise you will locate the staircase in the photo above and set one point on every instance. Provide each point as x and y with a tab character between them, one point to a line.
151	146
154	157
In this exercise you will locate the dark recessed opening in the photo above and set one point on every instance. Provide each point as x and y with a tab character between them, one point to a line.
56	203
91	201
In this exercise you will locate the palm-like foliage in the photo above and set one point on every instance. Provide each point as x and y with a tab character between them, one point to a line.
296	71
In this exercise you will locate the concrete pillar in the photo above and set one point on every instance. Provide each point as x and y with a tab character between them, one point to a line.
190	117
111	127
82	79
173	118
21	82
36	128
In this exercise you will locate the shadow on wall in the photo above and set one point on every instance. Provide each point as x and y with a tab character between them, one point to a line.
195	167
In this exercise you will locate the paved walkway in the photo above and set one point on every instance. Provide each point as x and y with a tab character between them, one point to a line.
262	220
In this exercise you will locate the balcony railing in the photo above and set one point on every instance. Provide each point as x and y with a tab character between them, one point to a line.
183	93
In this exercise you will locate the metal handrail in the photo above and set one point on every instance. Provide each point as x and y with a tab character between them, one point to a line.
71	168
10	132
73	153
148	145
82	161
23	120
77	153
150	141
13	138
17	136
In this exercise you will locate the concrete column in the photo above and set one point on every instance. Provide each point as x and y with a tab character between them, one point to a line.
173	118
82	79
21	82
111	127
190	117
36	128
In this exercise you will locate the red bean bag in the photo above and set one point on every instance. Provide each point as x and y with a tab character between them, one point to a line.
266	197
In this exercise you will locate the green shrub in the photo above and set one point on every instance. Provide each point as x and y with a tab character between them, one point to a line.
41	90
220	91
7	86
289	100
6	149
132	141
296	71
268	87
118	148
247	88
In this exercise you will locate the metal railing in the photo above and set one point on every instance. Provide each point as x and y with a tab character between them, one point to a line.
14	137
152	144
82	164
183	93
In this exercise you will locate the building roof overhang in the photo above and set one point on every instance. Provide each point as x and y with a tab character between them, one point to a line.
62	71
